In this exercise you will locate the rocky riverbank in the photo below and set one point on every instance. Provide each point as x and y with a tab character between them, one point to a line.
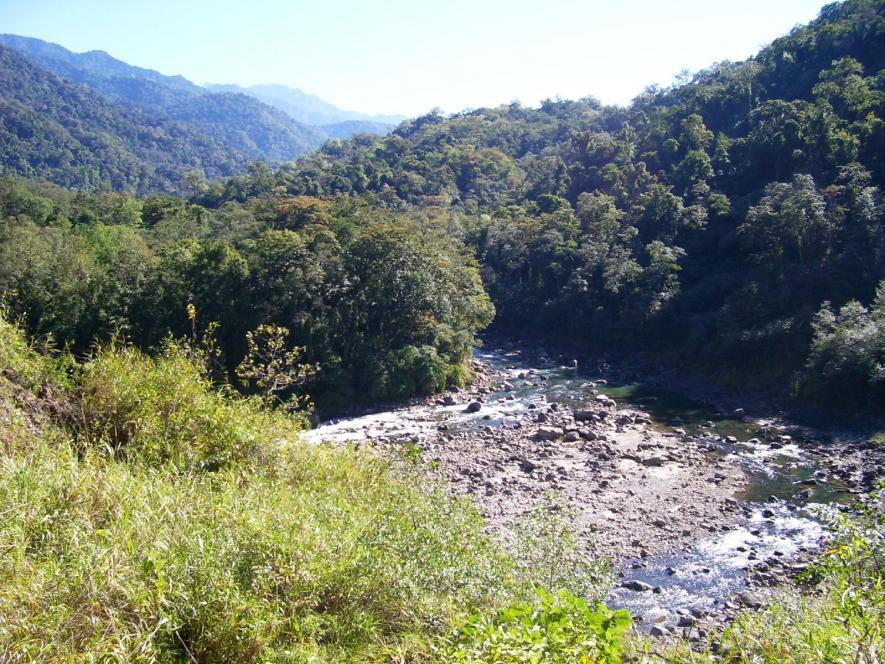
639	491
675	505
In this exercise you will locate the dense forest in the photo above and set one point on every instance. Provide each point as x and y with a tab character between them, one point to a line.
385	302
731	223
58	130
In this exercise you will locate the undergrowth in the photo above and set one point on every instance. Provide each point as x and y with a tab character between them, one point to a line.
158	518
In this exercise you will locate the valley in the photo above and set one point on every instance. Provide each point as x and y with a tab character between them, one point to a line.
551	379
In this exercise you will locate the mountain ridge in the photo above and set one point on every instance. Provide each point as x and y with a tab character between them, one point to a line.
115	78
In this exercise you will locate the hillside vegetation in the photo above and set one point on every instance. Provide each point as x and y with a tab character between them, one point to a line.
153	515
55	129
722	222
90	122
386	303
150	517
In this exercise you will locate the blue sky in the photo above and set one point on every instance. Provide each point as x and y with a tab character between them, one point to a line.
391	56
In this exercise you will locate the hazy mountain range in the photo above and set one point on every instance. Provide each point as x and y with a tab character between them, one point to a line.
86	109
305	107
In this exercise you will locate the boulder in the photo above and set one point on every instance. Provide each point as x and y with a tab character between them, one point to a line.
473	407
637	586
751	600
527	466
548	433
604	400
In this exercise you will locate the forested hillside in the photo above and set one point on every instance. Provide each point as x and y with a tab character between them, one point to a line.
731	223
55	129
100	123
270	123
722	222
213	134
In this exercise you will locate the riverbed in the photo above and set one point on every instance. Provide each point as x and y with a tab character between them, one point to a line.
699	510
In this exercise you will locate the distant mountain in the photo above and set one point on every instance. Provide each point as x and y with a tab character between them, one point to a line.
88	120
180	99
307	108
55	129
349	128
88	67
241	122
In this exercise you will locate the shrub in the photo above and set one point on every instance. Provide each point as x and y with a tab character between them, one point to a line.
417	371
549	555
321	556
554	629
159	410
847	360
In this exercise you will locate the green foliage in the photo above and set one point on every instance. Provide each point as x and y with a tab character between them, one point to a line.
726	208
164	410
416	371
847	360
269	366
387	305
554	629
286	552
323	558
706	222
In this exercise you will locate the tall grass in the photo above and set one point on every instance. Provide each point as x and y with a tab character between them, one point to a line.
158	519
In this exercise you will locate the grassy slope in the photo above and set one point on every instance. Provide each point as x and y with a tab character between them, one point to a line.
284	553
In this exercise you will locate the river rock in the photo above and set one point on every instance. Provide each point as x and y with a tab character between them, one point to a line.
750	599
637	586
527	466
473	407
548	433
657	615
604	400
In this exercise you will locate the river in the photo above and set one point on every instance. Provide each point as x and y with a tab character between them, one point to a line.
787	486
